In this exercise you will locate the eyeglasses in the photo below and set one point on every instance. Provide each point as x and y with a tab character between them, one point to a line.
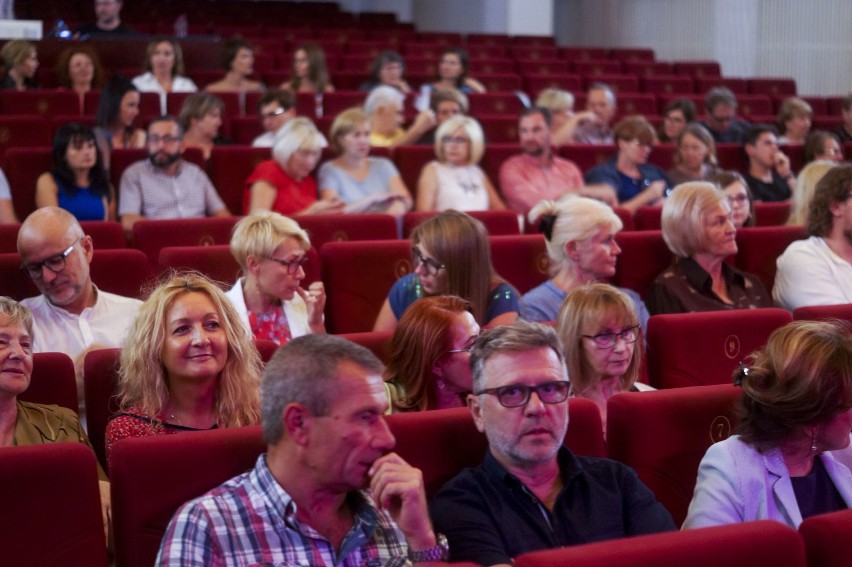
291	265
430	266
459	140
517	395
54	263
739	199
608	340
168	140
273	113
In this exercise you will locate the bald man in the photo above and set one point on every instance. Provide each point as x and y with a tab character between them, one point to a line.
71	315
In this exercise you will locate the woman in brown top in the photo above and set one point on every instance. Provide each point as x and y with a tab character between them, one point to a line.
698	229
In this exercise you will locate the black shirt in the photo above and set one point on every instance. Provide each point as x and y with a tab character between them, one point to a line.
489	516
816	493
92	30
735	134
777	190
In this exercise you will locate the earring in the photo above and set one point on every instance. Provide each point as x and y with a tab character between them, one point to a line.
813	442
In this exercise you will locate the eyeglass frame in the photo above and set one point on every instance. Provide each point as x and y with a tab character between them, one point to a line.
635	329
298	262
528	390
431	266
36	271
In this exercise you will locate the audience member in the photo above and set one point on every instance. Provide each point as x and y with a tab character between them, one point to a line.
452	72
115	118
769	174
7	211
822	145
531	492
387	69
284	184
698	229
677	115
455	180
71	315
272	251
200	119
366	184
21	62
536	174
238	61
274	109
695	156
739	196
189	364
818	271
384	107
795	408
603	344
77	182
720	117
310	72
794	121
844	132
580	238
164	186
452	256
560	103
444	104
107	22
636	182
594	125
79	69
430	353
305	502
164	71
805	186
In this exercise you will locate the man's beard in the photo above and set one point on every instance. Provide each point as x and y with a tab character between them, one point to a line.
163	160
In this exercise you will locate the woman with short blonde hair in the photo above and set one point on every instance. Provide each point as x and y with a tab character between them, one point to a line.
805	187
21	62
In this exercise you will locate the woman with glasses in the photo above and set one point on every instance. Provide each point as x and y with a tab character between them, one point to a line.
699	231
189	364
796	409
455	180
603	343
739	196
77	182
272	250
636	182
452	256
580	237
429	366
695	156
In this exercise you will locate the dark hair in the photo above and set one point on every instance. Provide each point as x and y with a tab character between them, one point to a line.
109	106
756	131
285	98
317	68
463	59
74	133
63	62
545	112
684	105
230	49
815	143
834	187
382	59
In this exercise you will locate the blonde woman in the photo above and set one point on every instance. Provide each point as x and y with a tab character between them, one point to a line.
805	186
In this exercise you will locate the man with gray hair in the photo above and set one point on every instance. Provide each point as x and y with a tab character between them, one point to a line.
594	125
531	492
384	106
720	107
304	503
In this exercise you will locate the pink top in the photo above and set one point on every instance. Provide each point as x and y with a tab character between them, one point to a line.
524	182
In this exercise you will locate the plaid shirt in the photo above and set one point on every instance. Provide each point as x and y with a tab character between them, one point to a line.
250	520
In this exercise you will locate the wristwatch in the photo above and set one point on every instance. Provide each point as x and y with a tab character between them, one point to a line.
439	552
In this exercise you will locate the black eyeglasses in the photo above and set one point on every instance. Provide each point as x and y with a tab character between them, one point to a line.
55	263
291	265
517	395
608	340
429	265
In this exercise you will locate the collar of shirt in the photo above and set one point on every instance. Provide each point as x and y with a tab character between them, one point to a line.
700	279
64	313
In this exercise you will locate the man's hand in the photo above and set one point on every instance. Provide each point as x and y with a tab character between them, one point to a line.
398	488
782	164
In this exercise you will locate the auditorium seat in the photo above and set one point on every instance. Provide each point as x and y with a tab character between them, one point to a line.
663	435
783	86
486	65
771	214
216	262
648	217
339	228
500	82
645	68
336	102
522	260
644	255
53	381
663	156
150	236
826	538
409	160
43	102
694	349
534	84
738	545
583	53
149	104
758	247
529	50
667	84
596	67
819	312
698	69
379	343
496	154
499	129
540	66
244	129
51	507
625	54
587	156
732	156
497	223
22	167
230	168
100	378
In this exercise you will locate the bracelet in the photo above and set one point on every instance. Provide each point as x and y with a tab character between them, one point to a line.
438	552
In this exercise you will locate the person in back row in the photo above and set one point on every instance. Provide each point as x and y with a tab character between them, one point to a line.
594	125
769	175
274	109
720	108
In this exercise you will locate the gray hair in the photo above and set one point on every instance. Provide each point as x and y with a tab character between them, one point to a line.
14	313
382	96
296	134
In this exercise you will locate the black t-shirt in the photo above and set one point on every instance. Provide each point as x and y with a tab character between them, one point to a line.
816	493
92	30
777	190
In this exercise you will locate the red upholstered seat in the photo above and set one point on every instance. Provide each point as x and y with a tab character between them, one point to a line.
504	104
44	102
22	167
336	102
663	156
771	214
646	68
53	381
150	236
534	84
410	161
758	248
738	545
693	349
499	128
541	66
497	223
244	129
818	312
522	260
51	507
648	218
698	69
149	105
643	256
377	342
732	156
22	133
625	54
230	167
587	156
826	539
337	228
100	378
500	82
596	67
772	86
668	84
663	436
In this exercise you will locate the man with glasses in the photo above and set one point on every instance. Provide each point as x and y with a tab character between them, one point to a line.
274	109
108	22
71	315
720	106
531	492
165	186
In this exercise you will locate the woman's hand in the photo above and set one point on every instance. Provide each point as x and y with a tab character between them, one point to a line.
330	206
314	299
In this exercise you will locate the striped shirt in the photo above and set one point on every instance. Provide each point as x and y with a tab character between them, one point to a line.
251	520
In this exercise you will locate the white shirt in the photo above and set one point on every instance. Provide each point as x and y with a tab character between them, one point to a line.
148	83
296	310
103	325
265	140
810	273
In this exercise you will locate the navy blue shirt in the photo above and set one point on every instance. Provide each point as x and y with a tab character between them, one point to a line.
489	516
625	187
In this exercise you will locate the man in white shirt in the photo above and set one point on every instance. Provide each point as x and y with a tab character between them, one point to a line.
274	109
818	271
71	315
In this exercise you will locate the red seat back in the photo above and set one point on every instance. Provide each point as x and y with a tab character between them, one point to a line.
503	104
771	214
51	507
648	218
230	167
820	312
150	236
379	343
663	436
44	102
100	378
758	248
644	255
22	167
409	160
826	538
694	349
522	260
53	381
497	223
339	228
